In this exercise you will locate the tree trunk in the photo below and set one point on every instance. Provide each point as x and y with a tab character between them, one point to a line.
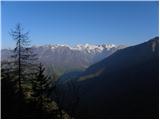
19	66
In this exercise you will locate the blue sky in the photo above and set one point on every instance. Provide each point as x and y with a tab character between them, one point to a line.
73	23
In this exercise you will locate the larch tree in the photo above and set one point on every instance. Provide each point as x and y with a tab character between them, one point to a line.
23	56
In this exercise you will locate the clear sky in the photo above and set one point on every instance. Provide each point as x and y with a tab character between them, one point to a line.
73	23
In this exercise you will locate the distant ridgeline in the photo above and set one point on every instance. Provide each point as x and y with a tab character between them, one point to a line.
116	82
123	85
61	59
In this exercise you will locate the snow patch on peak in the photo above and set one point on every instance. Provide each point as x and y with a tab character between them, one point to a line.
90	48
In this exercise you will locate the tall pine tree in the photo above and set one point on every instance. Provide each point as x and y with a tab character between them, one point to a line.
23	56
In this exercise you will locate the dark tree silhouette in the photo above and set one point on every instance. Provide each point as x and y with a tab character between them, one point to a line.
25	85
41	85
20	52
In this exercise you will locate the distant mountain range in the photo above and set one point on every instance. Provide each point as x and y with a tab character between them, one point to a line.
64	58
117	81
123	85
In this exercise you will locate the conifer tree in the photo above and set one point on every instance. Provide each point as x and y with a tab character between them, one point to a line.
23	55
19	51
41	84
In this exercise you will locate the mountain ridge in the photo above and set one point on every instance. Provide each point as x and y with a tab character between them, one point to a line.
64	58
123	85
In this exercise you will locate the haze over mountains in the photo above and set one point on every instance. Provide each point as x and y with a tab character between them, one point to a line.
65	58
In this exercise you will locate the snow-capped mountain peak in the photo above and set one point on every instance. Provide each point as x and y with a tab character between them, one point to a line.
80	47
70	57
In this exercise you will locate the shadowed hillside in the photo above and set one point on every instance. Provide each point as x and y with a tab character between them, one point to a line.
124	85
